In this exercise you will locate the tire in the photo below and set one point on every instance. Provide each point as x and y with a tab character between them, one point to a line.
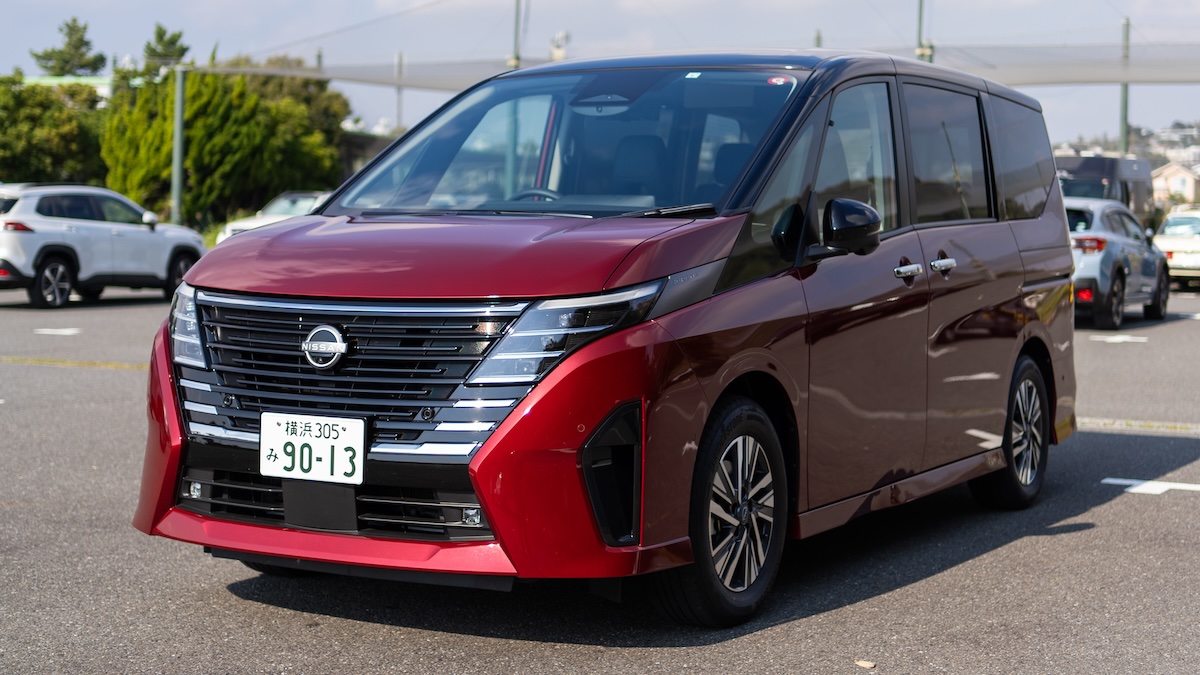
1111	312
90	294
277	570
737	531
180	264
1157	309
52	283
1026	444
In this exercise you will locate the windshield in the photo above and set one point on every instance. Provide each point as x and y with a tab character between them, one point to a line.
1181	226
290	205
592	143
1079	220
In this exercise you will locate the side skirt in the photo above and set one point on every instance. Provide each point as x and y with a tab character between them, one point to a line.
839	513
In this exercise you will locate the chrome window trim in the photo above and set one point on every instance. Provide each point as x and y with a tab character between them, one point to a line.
259	303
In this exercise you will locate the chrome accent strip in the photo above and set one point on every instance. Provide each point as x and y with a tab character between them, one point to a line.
454	449
198	386
218	432
200	408
485	403
501	356
509	309
504	379
464	426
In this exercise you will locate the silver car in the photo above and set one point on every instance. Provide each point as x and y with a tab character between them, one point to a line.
1117	264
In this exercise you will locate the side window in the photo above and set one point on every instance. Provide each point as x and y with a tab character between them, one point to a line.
1024	159
78	207
1112	223
754	254
949	174
1132	229
858	159
114	211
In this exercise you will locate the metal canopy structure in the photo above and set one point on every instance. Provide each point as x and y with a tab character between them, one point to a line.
1015	66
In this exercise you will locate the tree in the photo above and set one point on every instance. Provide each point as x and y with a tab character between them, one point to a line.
326	108
75	57
166	49
49	134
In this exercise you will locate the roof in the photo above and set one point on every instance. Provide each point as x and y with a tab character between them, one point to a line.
1092	204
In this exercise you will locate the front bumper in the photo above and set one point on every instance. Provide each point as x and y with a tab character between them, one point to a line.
529	477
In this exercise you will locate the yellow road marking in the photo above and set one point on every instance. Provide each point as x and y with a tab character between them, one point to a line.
67	363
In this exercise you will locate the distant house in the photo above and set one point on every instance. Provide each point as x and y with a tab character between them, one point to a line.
1176	179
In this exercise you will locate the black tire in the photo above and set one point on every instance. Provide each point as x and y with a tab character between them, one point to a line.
1157	309
277	570
180	264
1026	444
1111	313
52	284
737	531
90	293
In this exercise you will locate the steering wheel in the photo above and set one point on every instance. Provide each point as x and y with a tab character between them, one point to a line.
546	193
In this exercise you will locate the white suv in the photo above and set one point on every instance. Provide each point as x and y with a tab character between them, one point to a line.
55	239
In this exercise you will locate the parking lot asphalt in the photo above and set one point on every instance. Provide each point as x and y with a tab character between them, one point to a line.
1100	576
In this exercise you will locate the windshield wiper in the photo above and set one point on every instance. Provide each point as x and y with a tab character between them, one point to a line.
685	211
468	212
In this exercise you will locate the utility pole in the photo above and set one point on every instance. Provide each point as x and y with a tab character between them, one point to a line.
177	148
924	48
817	39
1124	142
514	61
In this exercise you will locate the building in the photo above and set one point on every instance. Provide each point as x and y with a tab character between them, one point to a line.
1172	179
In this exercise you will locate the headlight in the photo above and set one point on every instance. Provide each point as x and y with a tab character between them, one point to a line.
551	329
185	329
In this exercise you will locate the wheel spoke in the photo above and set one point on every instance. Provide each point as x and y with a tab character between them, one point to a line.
716	510
734	559
723	484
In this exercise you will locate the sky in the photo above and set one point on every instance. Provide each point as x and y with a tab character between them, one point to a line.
354	32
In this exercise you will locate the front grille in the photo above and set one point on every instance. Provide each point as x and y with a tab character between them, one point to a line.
404	373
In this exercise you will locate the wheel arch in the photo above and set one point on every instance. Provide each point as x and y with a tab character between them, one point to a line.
57	251
177	251
770	394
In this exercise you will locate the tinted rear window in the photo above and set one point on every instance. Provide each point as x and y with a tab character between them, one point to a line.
6	204
1025	161
947	154
1078	220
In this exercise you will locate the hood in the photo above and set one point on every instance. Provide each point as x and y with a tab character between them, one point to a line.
427	257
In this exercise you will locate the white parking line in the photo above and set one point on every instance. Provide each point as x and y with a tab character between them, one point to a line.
1140	427
1150	487
1117	339
56	331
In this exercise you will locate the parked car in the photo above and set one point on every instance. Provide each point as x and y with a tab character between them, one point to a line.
55	239
630	317
1179	239
1117	264
282	207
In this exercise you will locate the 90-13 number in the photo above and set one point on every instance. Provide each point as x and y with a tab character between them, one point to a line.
303	457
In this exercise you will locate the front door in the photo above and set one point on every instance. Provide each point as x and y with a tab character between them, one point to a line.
869	314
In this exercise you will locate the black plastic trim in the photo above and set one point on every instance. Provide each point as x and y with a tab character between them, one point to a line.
612	471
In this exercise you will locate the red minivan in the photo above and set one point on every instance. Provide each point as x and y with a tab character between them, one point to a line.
629	318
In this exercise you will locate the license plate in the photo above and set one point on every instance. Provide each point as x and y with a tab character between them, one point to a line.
308	447
1189	260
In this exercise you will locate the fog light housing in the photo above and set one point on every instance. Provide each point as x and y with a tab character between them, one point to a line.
194	490
472	517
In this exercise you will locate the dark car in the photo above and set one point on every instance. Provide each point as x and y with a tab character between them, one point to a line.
639	317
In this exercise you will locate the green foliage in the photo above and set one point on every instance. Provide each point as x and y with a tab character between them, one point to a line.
239	150
75	57
326	109
49	134
166	49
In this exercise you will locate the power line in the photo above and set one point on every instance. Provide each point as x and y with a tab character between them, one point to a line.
347	29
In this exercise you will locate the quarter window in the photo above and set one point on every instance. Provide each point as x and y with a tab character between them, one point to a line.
1024	159
949	178
118	212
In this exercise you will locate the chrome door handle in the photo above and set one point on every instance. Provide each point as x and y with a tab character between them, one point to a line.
909	271
943	264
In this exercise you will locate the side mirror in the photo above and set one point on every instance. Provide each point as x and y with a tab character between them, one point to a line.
851	225
149	218
1149	234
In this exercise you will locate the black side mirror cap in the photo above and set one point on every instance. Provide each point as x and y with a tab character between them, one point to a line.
851	225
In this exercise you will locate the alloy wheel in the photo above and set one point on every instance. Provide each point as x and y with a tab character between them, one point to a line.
54	284
741	513
1027	438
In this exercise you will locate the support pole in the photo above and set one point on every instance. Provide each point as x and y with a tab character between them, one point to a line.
399	69
177	148
1123	145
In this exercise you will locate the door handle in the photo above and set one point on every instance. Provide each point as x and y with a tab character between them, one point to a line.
943	264
909	271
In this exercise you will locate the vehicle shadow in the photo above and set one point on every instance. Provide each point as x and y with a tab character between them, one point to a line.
870	557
